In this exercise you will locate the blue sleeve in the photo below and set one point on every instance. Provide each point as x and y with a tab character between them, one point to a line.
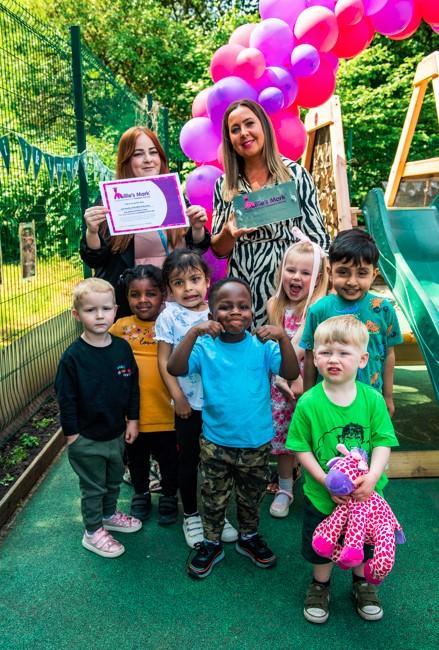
272	356
194	363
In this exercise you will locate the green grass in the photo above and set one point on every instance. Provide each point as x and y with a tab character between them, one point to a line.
25	304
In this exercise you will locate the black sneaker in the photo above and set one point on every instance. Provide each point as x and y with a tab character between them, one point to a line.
205	558
141	506
257	550
168	510
316	606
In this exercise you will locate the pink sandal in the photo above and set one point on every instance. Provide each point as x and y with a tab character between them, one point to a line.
281	508
103	544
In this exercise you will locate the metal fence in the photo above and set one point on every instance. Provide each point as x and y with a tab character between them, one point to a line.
40	208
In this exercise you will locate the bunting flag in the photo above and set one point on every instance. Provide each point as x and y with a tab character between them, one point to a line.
59	168
37	157
50	164
26	151
68	167
5	151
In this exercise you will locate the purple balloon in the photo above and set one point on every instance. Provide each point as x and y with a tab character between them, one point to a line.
274	38
305	60
393	17
281	78
286	10
372	6
272	99
225	92
200	185
199	140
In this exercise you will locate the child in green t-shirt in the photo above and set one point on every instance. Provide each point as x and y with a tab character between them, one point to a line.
339	410
353	260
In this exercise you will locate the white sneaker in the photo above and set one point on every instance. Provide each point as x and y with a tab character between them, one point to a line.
229	534
193	530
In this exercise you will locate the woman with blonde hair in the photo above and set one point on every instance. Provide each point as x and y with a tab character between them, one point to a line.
139	154
252	162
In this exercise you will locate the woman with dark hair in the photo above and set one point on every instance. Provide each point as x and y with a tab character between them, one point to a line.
139	154
252	162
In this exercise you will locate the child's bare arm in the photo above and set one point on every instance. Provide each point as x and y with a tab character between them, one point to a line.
181	405
365	484
289	368
389	367
309	371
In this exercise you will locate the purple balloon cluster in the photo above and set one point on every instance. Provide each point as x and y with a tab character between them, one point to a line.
286	61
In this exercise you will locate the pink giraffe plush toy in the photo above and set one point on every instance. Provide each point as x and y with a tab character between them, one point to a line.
371	521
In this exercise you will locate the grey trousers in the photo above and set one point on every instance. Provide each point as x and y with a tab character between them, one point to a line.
99	466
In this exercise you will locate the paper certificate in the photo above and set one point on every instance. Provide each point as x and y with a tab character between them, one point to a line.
270	205
144	204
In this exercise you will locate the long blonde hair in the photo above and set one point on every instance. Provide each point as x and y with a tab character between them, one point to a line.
278	304
125	151
234	164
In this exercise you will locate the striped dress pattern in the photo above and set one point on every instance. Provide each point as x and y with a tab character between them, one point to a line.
257	256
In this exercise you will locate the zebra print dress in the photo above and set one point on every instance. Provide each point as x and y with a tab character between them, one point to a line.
257	256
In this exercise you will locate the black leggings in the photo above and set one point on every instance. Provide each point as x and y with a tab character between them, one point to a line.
163	445
188	442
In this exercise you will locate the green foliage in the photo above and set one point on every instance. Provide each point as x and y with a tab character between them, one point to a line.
43	423
7	480
28	441
16	456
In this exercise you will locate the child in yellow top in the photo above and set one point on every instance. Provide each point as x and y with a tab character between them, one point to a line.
145	292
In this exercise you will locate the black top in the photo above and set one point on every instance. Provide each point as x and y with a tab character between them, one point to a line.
97	389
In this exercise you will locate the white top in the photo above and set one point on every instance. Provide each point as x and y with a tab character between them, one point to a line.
171	326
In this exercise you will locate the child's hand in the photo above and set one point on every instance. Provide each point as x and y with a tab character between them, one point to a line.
132	431
390	405
182	407
211	327
365	485
340	500
285	388
270	332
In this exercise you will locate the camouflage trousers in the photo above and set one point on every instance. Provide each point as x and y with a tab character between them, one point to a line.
223	468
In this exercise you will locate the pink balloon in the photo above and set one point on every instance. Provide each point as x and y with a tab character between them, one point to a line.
286	10
393	17
317	26
332	59
218	267
411	28
241	35
224	61
200	184
274	39
199	140
199	105
220	155
305	60
435	28
372	6
349	12
353	40
317	89
271	99
225	92
290	134
429	11
329	4
250	64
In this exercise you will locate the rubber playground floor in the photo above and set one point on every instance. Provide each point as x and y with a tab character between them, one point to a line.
55	594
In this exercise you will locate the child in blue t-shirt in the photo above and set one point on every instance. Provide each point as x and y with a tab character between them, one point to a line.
235	369
353	260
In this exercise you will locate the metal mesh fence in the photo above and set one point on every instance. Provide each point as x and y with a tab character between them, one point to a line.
40	213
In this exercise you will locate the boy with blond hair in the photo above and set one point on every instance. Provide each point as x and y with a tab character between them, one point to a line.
98	393
339	409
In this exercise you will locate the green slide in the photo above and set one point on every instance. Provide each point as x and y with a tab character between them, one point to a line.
408	240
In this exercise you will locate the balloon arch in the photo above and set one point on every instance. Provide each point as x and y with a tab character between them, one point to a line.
286	61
